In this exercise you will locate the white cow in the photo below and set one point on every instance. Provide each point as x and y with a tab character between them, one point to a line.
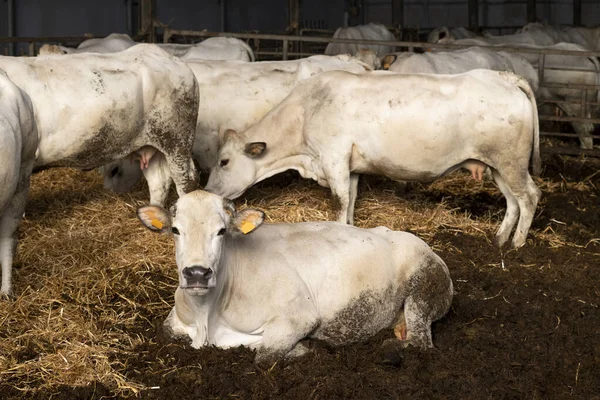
18	142
111	44
93	108
457	62
454	33
214	48
337	125
588	38
270	286
234	95
370	31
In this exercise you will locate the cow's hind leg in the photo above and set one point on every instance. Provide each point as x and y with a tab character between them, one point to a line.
184	173
428	299
343	185
517	187
9	222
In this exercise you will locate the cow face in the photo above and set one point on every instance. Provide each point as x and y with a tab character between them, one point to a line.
200	222
121	176
236	168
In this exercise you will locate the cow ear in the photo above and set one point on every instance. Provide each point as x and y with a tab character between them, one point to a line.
155	218
227	135
246	221
387	61
255	149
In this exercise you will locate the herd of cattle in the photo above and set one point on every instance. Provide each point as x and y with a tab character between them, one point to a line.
173	108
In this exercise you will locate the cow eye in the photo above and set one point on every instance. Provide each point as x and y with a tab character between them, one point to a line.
221	232
175	231
224	162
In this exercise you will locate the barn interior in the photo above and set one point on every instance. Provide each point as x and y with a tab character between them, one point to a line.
93	286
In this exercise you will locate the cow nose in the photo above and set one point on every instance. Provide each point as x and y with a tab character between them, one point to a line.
197	274
114	172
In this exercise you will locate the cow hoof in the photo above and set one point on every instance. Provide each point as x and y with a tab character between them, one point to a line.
391	351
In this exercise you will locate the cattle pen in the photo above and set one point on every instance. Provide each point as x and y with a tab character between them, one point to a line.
93	287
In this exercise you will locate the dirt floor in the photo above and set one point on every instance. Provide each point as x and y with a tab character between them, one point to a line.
92	288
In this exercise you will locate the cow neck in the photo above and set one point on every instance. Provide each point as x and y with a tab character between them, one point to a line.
285	153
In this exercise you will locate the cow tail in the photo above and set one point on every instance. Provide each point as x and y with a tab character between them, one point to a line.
536	160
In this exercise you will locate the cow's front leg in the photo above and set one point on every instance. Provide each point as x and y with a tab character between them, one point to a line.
281	338
343	191
9	222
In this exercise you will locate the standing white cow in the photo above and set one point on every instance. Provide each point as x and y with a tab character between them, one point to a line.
93	108
251	89
18	142
111	44
337	125
270	286
588	38
370	31
214	48
457	62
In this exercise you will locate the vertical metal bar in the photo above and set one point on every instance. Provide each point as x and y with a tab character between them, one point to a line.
541	64
11	25
223	15
583	103
576	12
531	12
397	13
166	35
32	49
285	49
147	15
473	9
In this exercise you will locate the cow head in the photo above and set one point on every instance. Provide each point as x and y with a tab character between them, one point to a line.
122	175
200	222
236	168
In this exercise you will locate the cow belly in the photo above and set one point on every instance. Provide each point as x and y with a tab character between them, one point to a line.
361	318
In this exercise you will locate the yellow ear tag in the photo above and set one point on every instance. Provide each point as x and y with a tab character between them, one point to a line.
247	227
156	223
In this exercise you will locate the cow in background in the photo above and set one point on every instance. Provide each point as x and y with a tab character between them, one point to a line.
370	31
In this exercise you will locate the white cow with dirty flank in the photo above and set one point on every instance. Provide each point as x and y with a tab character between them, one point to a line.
268	286
93	108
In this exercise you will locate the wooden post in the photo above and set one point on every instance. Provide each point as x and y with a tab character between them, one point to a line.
473	8
577	12
398	13
147	18
531	13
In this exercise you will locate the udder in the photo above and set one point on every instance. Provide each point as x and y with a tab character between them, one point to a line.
477	168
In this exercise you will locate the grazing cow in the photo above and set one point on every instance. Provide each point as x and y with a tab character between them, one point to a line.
444	32
370	31
251	89
93	108
337	125
214	48
18	142
457	62
111	44
270	286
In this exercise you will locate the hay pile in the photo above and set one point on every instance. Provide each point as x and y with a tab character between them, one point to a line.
91	282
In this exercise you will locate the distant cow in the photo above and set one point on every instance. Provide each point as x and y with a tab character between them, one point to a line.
93	108
268	286
251	89
111	44
337	125
214	48
588	38
454	33
457	62
370	31
18	142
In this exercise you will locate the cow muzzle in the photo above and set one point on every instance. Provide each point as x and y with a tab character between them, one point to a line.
197	277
